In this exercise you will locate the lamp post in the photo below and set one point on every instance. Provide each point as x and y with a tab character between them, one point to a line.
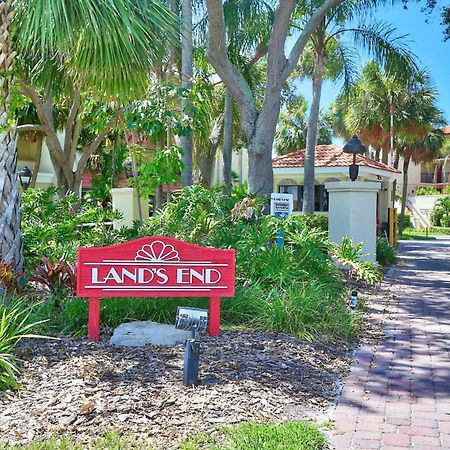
25	175
128	166
354	146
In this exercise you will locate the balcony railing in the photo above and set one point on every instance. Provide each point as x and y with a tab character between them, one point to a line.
426	177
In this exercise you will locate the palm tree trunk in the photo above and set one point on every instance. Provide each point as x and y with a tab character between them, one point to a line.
437	171
308	191
394	183
385	156
186	77
405	191
227	141
10	235
158	199
37	160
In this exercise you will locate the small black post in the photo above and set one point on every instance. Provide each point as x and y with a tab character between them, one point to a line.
191	361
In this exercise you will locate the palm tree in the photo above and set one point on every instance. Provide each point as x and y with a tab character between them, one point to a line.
292	127
367	108
420	135
329	53
373	106
97	39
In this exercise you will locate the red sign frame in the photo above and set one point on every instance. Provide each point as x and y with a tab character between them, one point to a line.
155	266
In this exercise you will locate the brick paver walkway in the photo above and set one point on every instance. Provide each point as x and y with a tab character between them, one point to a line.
397	395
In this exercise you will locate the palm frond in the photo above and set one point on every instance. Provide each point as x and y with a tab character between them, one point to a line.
389	49
111	43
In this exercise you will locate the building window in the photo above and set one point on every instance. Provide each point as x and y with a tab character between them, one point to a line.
297	194
320	196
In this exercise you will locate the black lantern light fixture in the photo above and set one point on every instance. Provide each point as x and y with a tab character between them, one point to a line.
354	146
128	166
25	175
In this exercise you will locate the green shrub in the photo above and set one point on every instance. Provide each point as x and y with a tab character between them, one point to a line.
55	227
15	325
440	216
386	253
406	220
427	191
439	231
446	190
350	256
296	288
319	221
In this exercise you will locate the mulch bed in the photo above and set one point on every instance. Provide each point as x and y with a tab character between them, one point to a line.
81	388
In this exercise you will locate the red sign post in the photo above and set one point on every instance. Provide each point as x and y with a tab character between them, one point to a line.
155	267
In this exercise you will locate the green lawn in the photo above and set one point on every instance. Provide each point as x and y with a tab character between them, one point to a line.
415	236
250	436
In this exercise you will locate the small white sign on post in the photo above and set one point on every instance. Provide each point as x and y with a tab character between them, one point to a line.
281	205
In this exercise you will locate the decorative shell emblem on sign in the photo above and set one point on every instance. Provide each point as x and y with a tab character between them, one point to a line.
157	252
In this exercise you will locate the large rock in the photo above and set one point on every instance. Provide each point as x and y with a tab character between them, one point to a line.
138	334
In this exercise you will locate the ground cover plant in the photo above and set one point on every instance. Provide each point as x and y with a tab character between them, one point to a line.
16	324
297	289
386	253
246	436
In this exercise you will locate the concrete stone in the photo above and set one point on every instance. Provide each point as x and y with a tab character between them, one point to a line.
138	334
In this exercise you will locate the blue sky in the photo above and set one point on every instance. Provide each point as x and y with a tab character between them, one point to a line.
425	40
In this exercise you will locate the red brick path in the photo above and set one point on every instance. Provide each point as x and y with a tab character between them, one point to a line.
397	395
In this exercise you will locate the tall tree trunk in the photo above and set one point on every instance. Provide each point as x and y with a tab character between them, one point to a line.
10	235
377	154
311	141
385	156
228	141
405	190
173	55
437	171
206	165
394	183
158	199
37	160
186	77
260	173
391	133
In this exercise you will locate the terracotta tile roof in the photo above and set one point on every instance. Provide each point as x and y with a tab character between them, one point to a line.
446	129
86	181
328	156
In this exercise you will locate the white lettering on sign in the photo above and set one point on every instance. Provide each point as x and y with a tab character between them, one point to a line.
143	275
139	275
206	276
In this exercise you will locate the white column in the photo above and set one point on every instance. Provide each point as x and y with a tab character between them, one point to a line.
125	200
353	212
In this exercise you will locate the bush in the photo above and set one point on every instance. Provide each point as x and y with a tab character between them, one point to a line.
406	220
296	288
55	227
439	231
15	325
440	216
318	221
427	191
386	253
349	255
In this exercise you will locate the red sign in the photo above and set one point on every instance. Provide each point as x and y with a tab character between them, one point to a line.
155	267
